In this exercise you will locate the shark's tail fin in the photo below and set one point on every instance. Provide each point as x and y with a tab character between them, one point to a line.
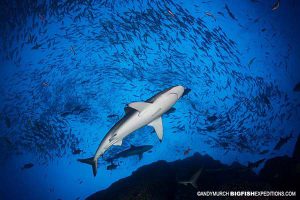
90	161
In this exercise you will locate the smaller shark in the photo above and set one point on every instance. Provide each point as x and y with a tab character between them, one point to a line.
132	151
193	179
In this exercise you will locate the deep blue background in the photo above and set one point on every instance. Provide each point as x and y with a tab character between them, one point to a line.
69	68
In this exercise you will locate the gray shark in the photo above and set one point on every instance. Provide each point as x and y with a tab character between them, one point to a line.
193	180
138	115
132	151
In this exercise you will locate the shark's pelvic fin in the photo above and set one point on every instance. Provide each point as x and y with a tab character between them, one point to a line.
140	156
90	161
158	127
139	106
118	143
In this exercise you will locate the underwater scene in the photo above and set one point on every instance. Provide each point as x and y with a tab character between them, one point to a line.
148	99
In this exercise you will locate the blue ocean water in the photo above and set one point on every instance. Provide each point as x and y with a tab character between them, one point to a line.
68	69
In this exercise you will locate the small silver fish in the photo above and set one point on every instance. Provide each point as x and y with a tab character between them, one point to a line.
251	62
210	15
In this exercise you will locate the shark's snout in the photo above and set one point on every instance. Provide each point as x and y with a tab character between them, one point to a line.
178	90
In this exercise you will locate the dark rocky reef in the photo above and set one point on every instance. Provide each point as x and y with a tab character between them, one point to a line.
159	180
283	172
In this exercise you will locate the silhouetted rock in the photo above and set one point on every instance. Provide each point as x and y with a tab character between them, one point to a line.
281	173
296	153
155	181
160	180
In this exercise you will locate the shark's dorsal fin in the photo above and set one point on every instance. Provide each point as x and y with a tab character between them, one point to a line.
139	106
158	127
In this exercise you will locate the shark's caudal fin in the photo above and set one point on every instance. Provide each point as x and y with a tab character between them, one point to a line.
92	162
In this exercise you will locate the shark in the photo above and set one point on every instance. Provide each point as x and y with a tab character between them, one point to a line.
132	151
193	180
138	115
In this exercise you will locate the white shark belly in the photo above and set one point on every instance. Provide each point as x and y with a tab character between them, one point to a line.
139	120
133	124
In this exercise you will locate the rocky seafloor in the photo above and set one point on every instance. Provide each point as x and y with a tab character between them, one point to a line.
160	180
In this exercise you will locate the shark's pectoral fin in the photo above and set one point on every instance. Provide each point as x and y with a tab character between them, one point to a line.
139	106
194	184
140	156
183	183
118	143
158	127
195	177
